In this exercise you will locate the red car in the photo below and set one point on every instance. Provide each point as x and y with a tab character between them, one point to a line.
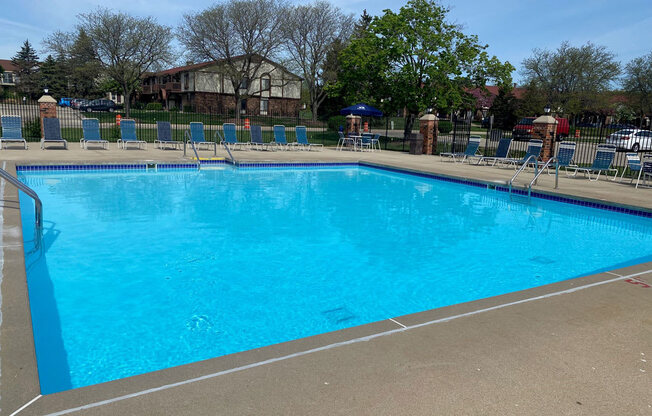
523	130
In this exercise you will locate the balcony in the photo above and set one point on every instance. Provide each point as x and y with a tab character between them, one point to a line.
172	86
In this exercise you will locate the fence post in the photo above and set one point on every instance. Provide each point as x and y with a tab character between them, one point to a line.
544	129
47	109
427	125
352	124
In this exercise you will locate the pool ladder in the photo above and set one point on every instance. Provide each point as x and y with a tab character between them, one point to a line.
537	173
38	205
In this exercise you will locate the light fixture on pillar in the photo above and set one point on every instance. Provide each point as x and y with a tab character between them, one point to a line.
546	109
429	110
45	90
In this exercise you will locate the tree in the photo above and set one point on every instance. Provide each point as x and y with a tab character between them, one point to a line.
311	32
637	84
239	35
27	62
419	59
125	46
52	77
505	109
572	79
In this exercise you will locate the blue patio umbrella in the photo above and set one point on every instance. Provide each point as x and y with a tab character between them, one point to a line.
361	110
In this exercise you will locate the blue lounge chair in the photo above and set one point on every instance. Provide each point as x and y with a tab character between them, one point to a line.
302	138
502	152
196	135
91	132
534	147
345	141
565	155
231	137
257	143
637	168
52	133
471	151
365	141
375	142
11	131
128	135
279	137
604	157
164	136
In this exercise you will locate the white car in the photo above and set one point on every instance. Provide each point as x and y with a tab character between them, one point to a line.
631	139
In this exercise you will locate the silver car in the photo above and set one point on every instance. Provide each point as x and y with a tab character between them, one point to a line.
631	139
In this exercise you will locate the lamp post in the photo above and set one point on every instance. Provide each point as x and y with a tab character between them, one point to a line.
546	109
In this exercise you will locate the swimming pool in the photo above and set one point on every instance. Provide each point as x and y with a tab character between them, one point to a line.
144	270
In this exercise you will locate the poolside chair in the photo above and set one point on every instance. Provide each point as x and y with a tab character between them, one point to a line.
375	142
128	135
502	152
230	137
565	155
604	157
637	168
365	141
344	141
534	147
11	131
302	139
257	143
279	137
471	151
164	136
196	135
52	133
91	132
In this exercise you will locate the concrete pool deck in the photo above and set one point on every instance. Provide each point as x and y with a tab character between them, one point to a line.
581	346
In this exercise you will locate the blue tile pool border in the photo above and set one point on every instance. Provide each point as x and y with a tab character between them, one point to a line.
267	165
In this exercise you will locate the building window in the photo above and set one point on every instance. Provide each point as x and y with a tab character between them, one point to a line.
244	84
264	106
8	78
186	81
243	106
265	83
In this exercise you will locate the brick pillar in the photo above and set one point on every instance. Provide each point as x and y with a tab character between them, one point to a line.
428	130
352	124
47	108
544	129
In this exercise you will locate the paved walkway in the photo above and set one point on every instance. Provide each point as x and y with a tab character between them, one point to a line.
577	347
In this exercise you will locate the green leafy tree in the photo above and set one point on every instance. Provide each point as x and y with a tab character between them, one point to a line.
53	77
28	76
419	59
505	109
637	84
572	79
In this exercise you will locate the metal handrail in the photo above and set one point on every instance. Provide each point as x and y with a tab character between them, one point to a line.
226	146
38	205
187	136
536	167
534	180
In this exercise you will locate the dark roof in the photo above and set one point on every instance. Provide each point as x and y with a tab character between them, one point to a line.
7	65
194	67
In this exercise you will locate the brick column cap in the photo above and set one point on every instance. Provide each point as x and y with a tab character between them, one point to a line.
47	99
428	117
352	116
545	120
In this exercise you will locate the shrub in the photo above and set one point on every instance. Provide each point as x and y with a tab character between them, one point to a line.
174	109
154	106
138	106
187	108
445	126
32	129
335	122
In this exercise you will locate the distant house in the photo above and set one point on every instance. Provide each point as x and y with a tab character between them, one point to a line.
10	75
206	88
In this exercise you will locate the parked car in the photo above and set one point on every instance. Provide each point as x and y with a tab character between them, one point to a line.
593	125
523	130
631	139
64	101
620	126
102	104
75	103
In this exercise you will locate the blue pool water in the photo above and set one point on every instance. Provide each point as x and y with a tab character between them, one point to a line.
146	270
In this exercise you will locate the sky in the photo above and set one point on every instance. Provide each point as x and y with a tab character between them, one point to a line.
511	28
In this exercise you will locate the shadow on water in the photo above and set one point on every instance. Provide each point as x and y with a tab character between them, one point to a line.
51	357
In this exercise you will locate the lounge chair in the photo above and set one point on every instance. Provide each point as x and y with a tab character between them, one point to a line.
91	132
279	137
128	135
302	138
11	131
52	133
230	136
365	141
375	142
565	155
164	136
637	168
604	157
471	151
257	143
534	147
196	135
502	152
